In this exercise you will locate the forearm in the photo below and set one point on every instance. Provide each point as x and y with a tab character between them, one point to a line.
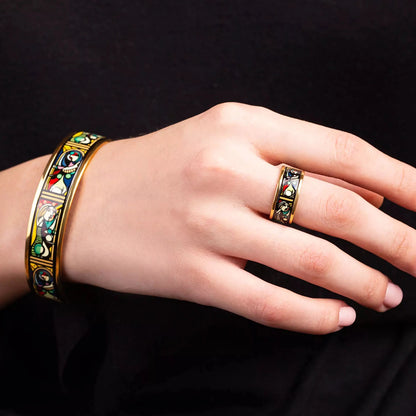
17	190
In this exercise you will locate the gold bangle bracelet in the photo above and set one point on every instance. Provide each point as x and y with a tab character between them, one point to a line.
50	209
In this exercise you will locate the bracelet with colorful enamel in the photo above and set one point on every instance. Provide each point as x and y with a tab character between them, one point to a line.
50	209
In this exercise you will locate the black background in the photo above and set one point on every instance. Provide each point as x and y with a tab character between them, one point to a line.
125	68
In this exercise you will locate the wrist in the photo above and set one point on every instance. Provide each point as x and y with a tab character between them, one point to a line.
80	245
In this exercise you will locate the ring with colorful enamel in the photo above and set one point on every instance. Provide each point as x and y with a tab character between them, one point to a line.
286	195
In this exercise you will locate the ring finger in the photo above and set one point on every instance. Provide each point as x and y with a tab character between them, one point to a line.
311	258
339	212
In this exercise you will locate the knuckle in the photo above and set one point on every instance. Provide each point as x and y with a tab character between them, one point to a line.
405	183
212	162
346	148
315	261
402	179
400	245
341	208
268	312
202	221
227	114
210	166
373	292
197	285
327	321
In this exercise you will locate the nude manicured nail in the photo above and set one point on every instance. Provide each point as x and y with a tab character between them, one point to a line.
394	296
347	316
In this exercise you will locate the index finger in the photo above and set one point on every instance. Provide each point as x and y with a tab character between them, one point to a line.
329	152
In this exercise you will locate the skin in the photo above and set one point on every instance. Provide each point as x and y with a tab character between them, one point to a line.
178	212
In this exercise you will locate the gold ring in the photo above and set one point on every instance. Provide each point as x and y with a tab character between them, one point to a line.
286	195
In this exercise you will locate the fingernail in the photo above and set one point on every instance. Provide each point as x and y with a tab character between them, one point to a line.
394	296
347	316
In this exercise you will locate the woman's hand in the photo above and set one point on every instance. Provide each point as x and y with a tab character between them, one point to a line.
178	212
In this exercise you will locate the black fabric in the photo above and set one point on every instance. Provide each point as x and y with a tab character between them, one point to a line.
126	68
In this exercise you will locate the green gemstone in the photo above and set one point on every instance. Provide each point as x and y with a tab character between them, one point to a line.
38	248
